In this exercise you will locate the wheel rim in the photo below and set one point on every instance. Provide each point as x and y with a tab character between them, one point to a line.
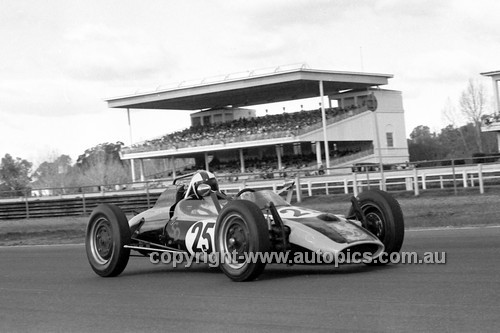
375	221
101	241
234	241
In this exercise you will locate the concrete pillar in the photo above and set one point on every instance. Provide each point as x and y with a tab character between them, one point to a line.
173	168
318	154
242	161
325	136
495	93
278	154
206	161
132	169
141	168
378	148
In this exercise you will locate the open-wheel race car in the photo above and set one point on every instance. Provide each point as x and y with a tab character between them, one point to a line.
192	217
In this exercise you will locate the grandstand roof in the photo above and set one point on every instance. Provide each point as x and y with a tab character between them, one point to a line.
492	73
249	89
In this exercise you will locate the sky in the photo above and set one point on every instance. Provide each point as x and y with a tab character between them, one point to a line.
60	60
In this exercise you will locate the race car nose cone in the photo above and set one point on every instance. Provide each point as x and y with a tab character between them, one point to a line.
231	241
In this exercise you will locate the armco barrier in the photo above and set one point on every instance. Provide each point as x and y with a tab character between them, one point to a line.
75	206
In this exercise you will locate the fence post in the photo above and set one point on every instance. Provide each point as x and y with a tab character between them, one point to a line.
454	177
424	185
83	202
147	193
354	184
27	204
346	186
415	176
464	177
409	183
298	188
309	188
480	178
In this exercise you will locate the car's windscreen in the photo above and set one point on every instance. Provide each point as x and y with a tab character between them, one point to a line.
262	198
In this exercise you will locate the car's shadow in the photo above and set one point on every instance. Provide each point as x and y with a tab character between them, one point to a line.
281	271
271	272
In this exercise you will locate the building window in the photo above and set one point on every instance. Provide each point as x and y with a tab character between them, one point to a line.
390	139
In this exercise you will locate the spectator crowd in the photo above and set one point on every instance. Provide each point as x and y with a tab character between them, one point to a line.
245	129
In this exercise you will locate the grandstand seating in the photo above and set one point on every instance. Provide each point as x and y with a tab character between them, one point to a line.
259	128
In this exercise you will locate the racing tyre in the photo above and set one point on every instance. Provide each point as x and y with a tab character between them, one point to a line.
241	230
384	219
107	233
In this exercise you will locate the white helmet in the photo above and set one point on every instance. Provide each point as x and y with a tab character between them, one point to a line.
201	177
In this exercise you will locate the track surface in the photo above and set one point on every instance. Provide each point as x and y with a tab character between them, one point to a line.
53	289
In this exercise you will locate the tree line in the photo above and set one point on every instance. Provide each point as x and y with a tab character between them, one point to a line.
455	141
99	165
450	143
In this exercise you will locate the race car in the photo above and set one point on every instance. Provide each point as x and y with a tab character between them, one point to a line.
194	217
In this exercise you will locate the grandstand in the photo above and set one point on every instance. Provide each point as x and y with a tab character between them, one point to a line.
359	123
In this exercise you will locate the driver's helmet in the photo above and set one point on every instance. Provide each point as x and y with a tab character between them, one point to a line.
201	177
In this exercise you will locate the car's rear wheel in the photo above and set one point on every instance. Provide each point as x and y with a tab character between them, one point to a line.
241	231
384	219
107	233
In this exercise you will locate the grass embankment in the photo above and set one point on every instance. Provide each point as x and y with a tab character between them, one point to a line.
427	210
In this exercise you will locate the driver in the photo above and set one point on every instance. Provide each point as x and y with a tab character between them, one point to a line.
201	177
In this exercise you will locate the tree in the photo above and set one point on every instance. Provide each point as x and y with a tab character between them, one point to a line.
53	174
421	135
15	175
453	117
101	165
453	142
101	173
102	153
473	103
424	145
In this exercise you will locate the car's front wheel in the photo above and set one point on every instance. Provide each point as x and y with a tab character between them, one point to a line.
107	233
384	219
241	233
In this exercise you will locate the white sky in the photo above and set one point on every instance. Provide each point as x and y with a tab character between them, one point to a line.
59	60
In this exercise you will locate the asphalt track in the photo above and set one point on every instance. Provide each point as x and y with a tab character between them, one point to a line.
53	289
